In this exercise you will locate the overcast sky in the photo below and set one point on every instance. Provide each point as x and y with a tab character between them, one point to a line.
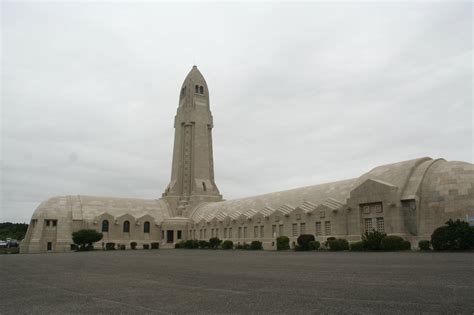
301	94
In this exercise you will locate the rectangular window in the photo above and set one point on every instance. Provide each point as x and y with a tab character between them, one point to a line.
327	227
205	233
255	231
55	222
217	232
302	228
274	231
239	232
212	232
46	222
225	232
380	225
319	231
281	231
368	225
295	229
262	231
230	233
200	234
245	232
179	234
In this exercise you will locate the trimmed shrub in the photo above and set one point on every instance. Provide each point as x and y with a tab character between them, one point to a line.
456	235
314	245
372	240
203	244
133	245
256	245
338	244
424	245
392	243
179	245
214	242
246	246
228	244
122	247
155	245
191	244
357	246
406	245
73	247
146	246
303	242
109	246
283	243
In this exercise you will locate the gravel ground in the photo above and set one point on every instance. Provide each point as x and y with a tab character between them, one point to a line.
207	281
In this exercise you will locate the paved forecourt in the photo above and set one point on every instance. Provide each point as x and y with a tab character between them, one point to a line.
207	281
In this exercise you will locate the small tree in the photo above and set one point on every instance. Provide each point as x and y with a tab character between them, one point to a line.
456	235
283	243
372	240
214	242
85	238
314	245
304	240
392	243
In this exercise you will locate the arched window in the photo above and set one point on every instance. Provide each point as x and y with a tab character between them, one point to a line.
146	227
201	89
196	89
204	186
126	227
105	226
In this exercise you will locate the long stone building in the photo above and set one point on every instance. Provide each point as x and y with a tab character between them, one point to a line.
409	199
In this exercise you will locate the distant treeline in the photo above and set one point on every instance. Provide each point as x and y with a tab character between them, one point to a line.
12	230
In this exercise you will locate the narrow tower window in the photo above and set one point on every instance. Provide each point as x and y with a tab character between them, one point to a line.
146	227
105	226
204	186
126	227
196	89
201	89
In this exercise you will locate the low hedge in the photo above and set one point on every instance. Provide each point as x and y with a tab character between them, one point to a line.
283	243
392	243
227	244
146	246
191	244
314	245
214	242
122	247
357	246
338	244
256	245
109	246
133	245
424	245
203	244
155	245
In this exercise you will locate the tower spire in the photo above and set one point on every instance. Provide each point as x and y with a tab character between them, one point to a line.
192	173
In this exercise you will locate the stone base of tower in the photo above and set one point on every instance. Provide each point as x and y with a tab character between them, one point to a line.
183	206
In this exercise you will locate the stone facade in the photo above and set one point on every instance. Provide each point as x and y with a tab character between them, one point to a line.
409	198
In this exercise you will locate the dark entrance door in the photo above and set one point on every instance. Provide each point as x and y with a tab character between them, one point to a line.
50	246
170	236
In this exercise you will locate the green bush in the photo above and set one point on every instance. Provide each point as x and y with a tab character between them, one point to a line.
256	245
314	245
133	245
372	240
203	244
242	246
155	245
122	247
392	243
424	245
179	244
146	246
85	238
283	243
109	246
303	242
214	242
456	235
357	246
338	244
228	244
191	244
406	245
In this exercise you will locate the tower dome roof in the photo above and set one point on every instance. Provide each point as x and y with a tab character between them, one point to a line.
195	76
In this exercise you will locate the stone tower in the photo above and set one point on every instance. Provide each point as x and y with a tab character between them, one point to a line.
192	174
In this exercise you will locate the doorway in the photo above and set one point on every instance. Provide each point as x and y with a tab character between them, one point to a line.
49	246
169	236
